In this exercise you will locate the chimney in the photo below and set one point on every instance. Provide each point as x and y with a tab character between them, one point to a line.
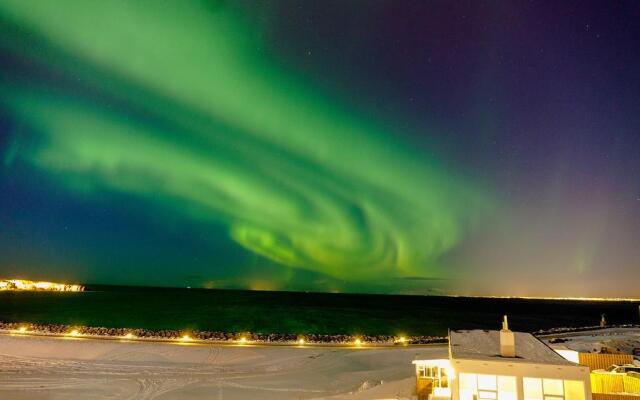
507	340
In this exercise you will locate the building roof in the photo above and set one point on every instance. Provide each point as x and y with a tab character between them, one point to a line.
485	345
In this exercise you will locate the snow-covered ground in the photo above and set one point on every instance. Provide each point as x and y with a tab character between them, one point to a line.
621	339
57	368
40	367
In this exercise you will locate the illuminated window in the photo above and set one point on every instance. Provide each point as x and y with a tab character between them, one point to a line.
532	388
427	371
487	382
444	378
468	381
507	388
574	390
488	387
468	386
553	389
436	374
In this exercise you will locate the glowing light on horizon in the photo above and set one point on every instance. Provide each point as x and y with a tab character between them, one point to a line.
27	285
74	332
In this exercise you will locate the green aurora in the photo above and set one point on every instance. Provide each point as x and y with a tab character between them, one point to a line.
180	106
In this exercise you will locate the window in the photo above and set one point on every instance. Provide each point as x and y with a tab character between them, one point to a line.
487	382
507	388
434	373
468	381
487	395
488	387
444	378
427	371
468	386
532	388
543	389
553	389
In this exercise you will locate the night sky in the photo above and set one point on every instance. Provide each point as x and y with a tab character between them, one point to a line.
346	146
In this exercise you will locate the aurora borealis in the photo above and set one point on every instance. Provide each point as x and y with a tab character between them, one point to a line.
209	144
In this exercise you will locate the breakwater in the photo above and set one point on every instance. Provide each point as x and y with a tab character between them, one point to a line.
216	337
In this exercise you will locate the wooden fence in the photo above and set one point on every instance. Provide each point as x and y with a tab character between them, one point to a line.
602	361
613	396
614	383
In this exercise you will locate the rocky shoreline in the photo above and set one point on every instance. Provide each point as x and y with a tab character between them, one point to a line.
248	337
218	337
565	330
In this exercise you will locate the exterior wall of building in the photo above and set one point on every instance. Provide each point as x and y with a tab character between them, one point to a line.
519	371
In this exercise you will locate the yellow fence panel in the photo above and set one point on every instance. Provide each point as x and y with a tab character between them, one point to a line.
605	383
601	361
632	384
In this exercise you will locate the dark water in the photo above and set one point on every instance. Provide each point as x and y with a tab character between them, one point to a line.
299	313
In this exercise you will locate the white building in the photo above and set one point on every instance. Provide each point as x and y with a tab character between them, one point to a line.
500	365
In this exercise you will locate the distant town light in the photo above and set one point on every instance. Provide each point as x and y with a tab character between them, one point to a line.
185	338
129	336
74	333
22	329
301	341
358	342
23	284
243	340
402	339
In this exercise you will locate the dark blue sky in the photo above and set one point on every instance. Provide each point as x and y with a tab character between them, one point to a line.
379	146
